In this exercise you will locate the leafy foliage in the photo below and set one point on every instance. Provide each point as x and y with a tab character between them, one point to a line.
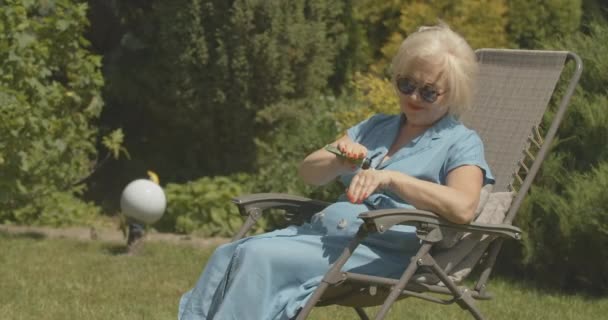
294	135
482	23
49	94
204	206
565	214
209	88
567	231
187	78
531	23
372	95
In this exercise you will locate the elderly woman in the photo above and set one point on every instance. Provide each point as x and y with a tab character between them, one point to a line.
423	158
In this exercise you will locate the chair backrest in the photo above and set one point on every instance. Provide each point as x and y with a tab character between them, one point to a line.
514	90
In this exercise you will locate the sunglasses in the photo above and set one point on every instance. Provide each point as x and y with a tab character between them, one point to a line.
427	92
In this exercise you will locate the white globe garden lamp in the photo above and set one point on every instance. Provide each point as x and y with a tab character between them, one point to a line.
143	201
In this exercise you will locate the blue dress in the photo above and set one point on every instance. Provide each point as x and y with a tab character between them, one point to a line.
270	276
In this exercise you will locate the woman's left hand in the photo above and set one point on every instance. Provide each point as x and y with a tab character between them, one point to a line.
365	182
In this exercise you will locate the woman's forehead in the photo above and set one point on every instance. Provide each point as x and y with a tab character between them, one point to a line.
425	71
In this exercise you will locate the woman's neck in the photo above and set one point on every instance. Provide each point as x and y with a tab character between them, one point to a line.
411	130
407	133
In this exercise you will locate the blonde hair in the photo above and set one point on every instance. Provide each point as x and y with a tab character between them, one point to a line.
450	51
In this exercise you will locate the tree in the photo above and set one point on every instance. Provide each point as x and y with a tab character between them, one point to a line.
482	23
49	94
564	217
531	23
187	78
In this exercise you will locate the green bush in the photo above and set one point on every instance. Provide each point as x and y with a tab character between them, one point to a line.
534	22
567	232
293	135
387	23
564	217
49	95
186	78
204	206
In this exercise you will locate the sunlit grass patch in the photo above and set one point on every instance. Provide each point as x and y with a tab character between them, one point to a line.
66	279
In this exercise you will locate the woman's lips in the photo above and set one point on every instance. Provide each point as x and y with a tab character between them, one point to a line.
414	107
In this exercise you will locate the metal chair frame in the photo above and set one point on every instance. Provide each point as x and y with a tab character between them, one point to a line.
343	288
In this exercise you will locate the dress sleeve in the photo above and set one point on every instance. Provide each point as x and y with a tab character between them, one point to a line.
469	151
358	131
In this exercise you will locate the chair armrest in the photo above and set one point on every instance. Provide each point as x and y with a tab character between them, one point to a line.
298	209
383	219
291	203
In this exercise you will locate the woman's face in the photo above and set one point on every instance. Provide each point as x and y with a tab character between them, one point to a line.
425	103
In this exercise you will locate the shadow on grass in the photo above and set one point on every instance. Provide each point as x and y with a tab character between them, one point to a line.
20	235
123	249
543	288
509	267
116	249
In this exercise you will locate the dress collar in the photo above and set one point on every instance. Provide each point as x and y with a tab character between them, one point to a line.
436	131
439	128
420	143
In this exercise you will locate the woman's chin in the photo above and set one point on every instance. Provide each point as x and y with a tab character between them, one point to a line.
411	113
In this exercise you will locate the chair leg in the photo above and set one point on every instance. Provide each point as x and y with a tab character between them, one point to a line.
405	278
473	310
361	313
466	302
333	275
249	222
463	298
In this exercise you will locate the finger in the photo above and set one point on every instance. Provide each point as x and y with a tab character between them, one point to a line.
358	188
354	151
348	195
363	194
352	195
368	186
347	150
361	152
350	192
371	188
351	188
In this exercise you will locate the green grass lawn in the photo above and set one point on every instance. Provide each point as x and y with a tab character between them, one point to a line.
68	279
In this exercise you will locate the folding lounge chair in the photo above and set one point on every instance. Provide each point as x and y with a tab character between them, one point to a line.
515	87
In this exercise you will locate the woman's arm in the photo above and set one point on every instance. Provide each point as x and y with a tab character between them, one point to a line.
322	166
456	201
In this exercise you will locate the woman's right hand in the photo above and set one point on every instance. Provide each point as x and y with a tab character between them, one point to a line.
351	150
324	165
353	154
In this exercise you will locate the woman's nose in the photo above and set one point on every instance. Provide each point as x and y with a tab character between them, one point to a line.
414	96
